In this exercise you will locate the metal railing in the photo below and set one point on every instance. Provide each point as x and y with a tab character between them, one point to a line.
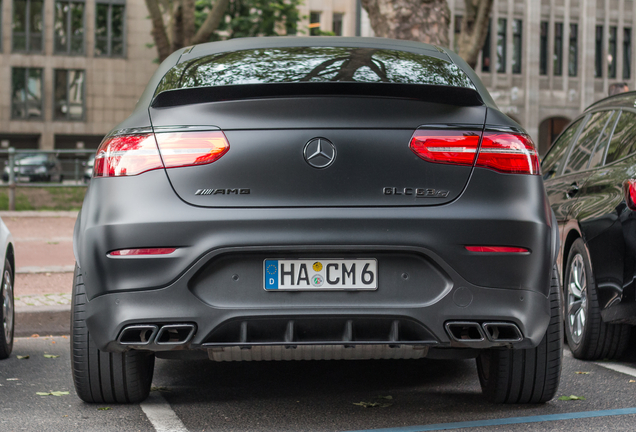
73	165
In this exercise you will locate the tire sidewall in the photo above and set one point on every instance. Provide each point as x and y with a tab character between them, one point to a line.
6	346
578	248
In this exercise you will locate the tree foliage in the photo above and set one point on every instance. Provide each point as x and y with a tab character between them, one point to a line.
180	23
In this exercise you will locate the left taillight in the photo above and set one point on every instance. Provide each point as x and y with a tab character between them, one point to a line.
505	152
128	155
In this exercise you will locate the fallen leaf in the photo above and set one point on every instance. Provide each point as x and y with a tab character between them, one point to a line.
632	381
24	357
52	342
50	356
104	408
385	397
52	393
373	404
571	397
159	389
582	373
65	337
35	335
12	379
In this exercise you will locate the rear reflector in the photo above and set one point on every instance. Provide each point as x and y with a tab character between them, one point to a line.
497	249
629	190
126	155
143	251
129	155
500	151
191	148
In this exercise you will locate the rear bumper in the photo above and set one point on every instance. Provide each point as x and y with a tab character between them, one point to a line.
195	285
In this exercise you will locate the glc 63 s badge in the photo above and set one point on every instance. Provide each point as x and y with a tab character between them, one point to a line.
416	192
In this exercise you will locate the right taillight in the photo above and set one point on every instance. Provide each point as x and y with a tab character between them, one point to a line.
508	153
629	190
128	155
504	152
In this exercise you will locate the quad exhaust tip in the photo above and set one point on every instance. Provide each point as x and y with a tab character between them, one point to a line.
145	334
469	331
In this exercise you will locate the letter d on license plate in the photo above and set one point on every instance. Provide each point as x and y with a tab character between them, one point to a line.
320	274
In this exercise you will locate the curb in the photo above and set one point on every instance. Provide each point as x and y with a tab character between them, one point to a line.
29	213
42	320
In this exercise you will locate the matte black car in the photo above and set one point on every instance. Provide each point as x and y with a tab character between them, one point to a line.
35	167
316	198
589	175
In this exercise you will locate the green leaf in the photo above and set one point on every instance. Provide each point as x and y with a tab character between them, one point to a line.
385	397
571	397
50	356
582	373
24	357
104	408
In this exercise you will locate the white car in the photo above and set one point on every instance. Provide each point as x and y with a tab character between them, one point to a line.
7	312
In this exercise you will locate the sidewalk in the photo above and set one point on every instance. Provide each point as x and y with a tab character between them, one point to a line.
44	270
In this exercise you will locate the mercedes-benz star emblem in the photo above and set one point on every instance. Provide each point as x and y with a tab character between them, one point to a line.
320	153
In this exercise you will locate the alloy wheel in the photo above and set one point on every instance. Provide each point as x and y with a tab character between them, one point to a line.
7	307
577	303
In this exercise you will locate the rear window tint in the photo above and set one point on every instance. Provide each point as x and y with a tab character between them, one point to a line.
313	64
599	152
555	157
624	139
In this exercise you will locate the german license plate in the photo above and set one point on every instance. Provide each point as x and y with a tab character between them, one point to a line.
320	274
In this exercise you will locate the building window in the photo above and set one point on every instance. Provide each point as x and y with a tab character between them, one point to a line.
336	26
69	95
457	31
109	29
314	24
573	51
485	52
517	29
611	52
28	25
627	53
598	53
26	93
69	27
501	45
543	49
558	50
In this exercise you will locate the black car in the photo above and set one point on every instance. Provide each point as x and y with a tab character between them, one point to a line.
589	174
316	198
35	167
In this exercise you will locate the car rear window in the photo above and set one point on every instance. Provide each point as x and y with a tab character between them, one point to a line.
311	65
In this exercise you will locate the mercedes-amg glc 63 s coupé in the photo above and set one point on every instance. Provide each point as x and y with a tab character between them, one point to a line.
316	198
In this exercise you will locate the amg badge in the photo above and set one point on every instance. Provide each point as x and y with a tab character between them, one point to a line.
222	192
416	192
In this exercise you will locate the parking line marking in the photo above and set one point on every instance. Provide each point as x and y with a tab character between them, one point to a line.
507	421
618	368
161	415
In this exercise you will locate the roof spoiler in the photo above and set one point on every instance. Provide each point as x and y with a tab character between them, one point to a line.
448	95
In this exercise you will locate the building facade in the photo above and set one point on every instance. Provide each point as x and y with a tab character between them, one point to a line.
71	69
74	69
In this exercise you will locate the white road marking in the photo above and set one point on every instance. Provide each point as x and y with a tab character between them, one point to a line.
160	414
618	368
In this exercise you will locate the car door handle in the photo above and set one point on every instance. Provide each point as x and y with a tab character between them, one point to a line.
574	188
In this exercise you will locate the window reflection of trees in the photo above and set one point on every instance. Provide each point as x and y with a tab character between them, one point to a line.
313	64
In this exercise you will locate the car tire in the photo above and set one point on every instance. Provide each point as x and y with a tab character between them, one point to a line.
7	311
104	377
588	337
526	376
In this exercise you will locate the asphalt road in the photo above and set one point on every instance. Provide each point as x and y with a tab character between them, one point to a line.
299	396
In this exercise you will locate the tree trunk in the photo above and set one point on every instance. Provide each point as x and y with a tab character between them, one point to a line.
474	30
158	30
418	20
